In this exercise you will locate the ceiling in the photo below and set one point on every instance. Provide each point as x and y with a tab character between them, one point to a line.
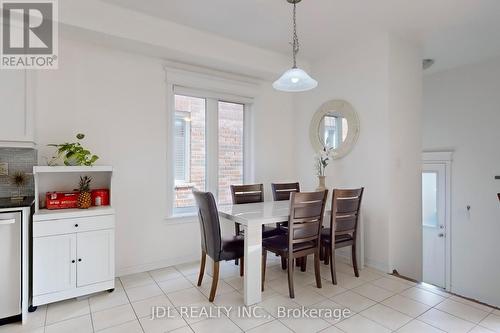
453	32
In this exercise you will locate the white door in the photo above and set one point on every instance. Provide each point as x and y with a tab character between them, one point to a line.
434	223
96	255
54	264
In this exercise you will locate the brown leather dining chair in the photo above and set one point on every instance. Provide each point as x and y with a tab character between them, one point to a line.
303	236
344	218
212	244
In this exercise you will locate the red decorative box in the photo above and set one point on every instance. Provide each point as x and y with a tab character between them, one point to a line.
61	200
100	197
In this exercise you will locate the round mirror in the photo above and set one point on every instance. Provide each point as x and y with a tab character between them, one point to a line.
335	126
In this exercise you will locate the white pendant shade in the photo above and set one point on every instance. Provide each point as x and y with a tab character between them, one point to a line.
295	80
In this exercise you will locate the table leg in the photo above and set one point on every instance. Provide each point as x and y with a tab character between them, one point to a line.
253	258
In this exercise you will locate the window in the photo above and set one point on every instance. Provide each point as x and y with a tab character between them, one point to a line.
208	147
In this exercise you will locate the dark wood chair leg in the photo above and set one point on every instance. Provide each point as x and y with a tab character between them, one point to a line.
283	263
332	266
317	272
303	263
321	252
202	267
298	262
327	255
237	231
242	265
354	261
264	261
290	277
215	280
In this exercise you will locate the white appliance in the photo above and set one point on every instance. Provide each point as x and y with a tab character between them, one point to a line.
10	267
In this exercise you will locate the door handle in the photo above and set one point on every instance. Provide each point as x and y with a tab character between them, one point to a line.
7	221
441	235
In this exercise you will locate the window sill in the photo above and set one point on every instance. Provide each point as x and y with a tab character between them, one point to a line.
182	218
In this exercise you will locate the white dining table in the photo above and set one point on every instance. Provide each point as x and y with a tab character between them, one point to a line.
252	216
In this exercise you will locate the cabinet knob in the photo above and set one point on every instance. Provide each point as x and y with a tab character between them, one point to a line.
76	225
73	261
80	259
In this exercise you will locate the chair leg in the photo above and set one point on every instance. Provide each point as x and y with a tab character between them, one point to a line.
215	280
283	263
327	255
321	252
264	261
202	267
236	261
317	272
290	276
237	231
298	262
303	263
332	266
242	265
354	261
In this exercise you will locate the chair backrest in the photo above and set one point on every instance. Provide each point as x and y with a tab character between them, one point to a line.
242	194
346	204
306	217
208	217
282	191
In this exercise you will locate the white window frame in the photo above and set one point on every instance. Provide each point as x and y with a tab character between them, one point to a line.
214	88
187	153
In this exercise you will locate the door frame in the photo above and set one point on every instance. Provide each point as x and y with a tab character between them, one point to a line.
444	158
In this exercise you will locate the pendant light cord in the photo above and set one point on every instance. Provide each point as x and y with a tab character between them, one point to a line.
295	43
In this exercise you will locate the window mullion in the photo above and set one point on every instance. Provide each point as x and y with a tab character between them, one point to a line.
212	137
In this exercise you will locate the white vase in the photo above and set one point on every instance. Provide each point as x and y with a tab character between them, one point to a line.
321	183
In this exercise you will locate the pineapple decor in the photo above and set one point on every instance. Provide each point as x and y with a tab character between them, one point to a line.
84	198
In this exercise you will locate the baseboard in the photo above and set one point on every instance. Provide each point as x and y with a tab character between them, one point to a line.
121	271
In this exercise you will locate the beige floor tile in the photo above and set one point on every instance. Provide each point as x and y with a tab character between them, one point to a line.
247	318
136	280
144	308
164	274
327	289
373	292
37	318
476	305
81	324
491	322
423	296
105	300
336	312
480	329
446	322
274	326
370	275
271	305
353	301
235	282
189	268
232	298
305	325
222	287
20	328
66	310
143	292
406	305
433	289
386	316
391	284
184	329
461	310
161	325
219	325
129	327
358	324
308	297
417	326
186	297
332	329
113	317
175	284
348	281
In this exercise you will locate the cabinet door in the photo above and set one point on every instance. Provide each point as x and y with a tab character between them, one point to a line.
54	268
96	257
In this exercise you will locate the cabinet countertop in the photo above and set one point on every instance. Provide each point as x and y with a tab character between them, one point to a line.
9	203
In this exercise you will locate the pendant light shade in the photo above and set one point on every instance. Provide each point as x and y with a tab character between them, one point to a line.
295	79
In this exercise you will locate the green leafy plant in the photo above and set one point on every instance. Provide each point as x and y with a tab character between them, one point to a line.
73	153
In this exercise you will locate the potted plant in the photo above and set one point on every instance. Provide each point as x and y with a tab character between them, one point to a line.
322	160
73	153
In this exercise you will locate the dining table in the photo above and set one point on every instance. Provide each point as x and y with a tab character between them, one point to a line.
252	217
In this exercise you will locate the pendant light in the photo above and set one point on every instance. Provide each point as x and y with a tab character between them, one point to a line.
295	79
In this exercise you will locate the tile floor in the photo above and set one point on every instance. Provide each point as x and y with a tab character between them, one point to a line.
377	303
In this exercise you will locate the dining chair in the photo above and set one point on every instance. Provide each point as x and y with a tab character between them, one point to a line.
281	192
244	194
344	218
212	243
303	236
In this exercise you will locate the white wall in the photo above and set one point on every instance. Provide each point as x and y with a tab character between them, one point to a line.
362	74
462	112
118	99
